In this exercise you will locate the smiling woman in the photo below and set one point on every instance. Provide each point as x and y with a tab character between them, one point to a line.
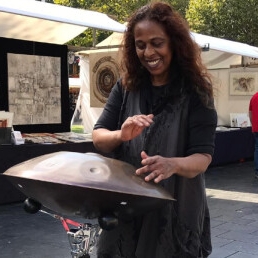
153	50
164	101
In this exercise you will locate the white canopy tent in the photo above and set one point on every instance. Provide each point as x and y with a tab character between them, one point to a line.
220	53
49	23
224	45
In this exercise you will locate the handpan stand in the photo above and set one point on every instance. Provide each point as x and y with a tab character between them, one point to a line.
87	185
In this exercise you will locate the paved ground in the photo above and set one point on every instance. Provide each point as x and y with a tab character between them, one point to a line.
233	200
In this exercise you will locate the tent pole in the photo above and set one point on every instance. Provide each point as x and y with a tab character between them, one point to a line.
94	38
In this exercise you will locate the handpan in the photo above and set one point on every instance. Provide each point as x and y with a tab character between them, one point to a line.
87	185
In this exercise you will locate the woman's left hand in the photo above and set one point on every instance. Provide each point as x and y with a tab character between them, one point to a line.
158	167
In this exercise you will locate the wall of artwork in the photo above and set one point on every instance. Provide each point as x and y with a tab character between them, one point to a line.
233	90
34	85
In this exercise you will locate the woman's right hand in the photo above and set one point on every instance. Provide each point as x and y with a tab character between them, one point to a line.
106	140
133	126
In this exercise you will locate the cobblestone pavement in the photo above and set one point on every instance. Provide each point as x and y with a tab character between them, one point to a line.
232	194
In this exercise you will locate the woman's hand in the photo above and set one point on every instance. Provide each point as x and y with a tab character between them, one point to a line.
159	168
106	140
133	126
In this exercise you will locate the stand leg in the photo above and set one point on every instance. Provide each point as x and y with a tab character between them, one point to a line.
83	240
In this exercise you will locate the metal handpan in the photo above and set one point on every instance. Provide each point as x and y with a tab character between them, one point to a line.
86	184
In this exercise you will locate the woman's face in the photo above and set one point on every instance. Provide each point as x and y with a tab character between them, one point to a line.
153	47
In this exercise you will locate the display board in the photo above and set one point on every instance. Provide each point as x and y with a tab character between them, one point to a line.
34	85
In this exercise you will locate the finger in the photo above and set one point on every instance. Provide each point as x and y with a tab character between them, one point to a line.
142	170
143	119
159	178
152	175
149	161
149	118
139	122
144	155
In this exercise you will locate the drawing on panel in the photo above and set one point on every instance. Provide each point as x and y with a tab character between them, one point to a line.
34	89
243	83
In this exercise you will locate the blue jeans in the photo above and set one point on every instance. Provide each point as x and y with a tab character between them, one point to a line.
256	152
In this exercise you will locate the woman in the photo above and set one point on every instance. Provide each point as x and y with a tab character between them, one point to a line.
160	118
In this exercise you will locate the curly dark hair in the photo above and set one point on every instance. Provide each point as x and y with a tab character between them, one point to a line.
186	53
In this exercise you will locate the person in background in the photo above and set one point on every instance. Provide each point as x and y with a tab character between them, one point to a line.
160	117
253	115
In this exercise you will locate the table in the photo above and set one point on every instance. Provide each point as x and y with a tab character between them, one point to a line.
230	146
233	146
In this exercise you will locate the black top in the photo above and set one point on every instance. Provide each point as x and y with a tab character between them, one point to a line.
181	126
200	119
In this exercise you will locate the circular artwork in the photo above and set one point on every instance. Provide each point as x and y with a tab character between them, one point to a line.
105	75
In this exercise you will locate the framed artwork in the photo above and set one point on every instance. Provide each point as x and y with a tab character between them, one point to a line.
242	83
34	85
